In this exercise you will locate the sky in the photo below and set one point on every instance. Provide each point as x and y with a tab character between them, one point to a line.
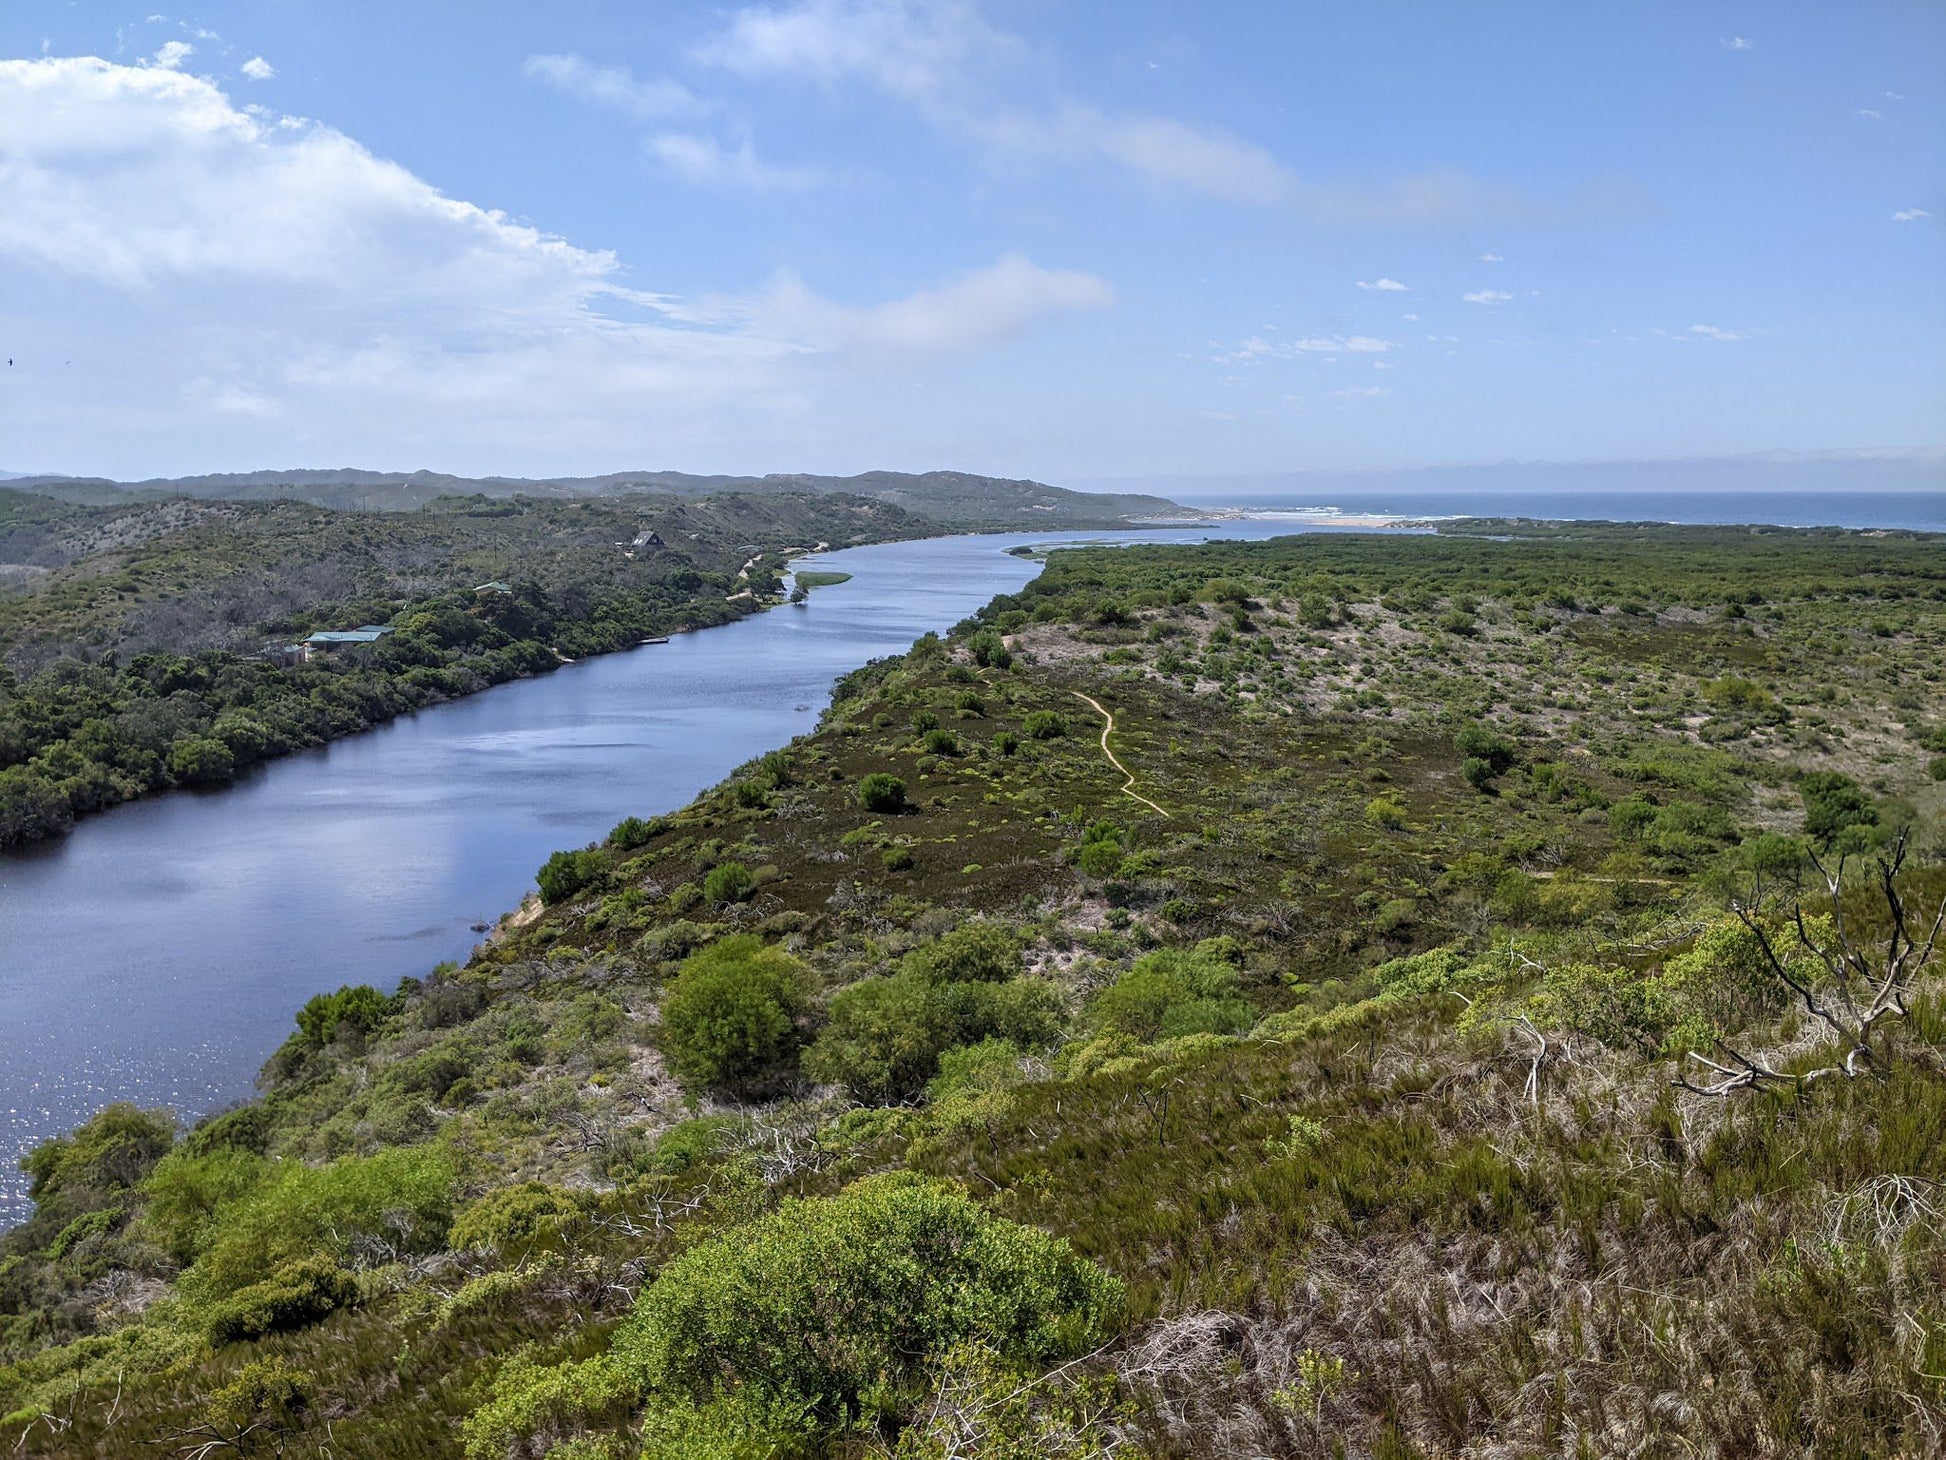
1052	239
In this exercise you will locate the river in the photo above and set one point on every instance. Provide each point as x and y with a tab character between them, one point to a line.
158	953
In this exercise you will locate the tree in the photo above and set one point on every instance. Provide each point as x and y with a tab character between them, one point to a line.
1855	990
730	1018
1173	992
201	761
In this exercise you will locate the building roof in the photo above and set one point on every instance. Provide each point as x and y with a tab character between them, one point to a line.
369	634
494	587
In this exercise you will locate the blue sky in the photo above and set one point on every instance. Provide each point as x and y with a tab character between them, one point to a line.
1056	239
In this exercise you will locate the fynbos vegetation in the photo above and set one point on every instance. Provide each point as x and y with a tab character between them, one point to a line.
1482	996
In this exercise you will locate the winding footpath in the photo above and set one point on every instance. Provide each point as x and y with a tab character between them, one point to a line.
1128	786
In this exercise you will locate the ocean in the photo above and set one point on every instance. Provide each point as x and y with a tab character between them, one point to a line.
1918	511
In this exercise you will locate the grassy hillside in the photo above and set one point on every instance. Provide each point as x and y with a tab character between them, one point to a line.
1292	1068
955	498
130	635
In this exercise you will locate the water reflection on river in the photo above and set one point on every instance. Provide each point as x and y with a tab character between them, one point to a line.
158	953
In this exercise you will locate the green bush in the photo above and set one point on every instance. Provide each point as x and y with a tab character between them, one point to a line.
566	873
729	1021
989	650
1477	770
513	1219
1170	993
829	1305
296	1295
533	1407
882	792
884	1036
110	1152
1476	742
941	742
728	882
202	761
1045	725
354	1008
398	1202
1837	812
632	831
980	952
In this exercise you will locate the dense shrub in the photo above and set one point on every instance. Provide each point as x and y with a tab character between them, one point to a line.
1172	992
728	882
513	1218
297	1294
352	1009
1837	812
1045	725
729	1020
110	1152
398	1202
882	792
1476	742
980	952
832	1304
566	873
632	831
884	1036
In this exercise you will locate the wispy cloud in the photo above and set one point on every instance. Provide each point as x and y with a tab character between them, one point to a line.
1389	286
1257	348
614	87
172	54
704	160
1738	43
977	84
1870	115
1002	300
1911	215
258	69
1713	332
1486	296
1359	391
1492	258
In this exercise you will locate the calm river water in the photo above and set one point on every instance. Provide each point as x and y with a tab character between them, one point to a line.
158	953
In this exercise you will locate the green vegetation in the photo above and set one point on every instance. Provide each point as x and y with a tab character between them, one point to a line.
131	655
1464	1051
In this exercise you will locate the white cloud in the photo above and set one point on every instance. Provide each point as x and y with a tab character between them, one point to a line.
1911	215
704	160
1390	286
614	87
1712	332
258	69
173	54
1869	114
1256	347
1486	296
1738	43
1492	258
919	51
977	84
1004	299
1412	317
270	284
1359	391
1894	96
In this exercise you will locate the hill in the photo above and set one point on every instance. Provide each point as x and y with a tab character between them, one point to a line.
954	499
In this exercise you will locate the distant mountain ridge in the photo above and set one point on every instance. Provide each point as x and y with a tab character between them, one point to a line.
951	497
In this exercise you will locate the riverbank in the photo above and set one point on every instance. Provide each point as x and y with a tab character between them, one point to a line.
169	696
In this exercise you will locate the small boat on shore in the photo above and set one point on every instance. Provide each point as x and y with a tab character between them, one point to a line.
655	641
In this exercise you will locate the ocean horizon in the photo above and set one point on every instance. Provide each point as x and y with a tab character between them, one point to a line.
1911	509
